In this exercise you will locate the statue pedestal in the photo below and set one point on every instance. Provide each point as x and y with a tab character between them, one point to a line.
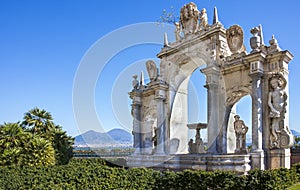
278	158
238	163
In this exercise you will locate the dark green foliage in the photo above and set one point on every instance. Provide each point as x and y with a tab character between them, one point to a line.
273	179
18	147
62	144
40	122
96	174
35	141
297	143
190	179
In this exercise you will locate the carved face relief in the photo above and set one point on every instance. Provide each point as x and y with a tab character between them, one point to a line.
274	83
278	80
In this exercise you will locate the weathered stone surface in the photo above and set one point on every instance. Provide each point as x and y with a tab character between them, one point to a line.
160	108
237	163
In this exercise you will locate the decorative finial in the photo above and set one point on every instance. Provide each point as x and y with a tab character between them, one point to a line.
166	42
142	79
273	41
216	18
274	47
260	33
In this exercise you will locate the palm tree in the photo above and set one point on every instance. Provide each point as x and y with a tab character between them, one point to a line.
38	121
39	152
18	147
62	144
12	140
10	135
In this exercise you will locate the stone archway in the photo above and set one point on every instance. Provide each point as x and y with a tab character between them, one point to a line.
231	74
179	116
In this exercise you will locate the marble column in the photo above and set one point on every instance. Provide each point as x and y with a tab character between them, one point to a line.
257	153
212	129
213	109
161	124
136	114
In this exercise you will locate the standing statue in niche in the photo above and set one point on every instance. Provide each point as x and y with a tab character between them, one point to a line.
240	133
277	103
152	70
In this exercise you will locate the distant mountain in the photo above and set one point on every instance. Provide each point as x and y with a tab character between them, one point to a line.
115	137
295	133
120	135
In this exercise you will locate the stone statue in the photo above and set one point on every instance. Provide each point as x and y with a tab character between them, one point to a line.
191	146
189	18
203	20
277	103
198	146
152	70
177	31
135	82
240	133
235	39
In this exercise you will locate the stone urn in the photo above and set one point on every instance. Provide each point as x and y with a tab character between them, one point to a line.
255	41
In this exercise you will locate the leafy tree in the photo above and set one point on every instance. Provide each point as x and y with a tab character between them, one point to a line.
296	143
18	147
38	152
35	141
62	144
10	143
40	122
11	135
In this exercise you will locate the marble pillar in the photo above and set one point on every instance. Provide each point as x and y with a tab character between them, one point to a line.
257	153
136	113
161	127
214	133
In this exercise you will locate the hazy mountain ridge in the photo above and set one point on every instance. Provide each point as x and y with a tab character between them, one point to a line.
114	137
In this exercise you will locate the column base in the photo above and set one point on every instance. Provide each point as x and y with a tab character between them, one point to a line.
257	159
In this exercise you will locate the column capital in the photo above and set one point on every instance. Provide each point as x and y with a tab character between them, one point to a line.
256	75
212	70
135	93
136	101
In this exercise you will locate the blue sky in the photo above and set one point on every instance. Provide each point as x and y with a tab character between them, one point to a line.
43	42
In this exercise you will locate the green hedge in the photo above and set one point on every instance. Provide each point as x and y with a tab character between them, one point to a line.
96	174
